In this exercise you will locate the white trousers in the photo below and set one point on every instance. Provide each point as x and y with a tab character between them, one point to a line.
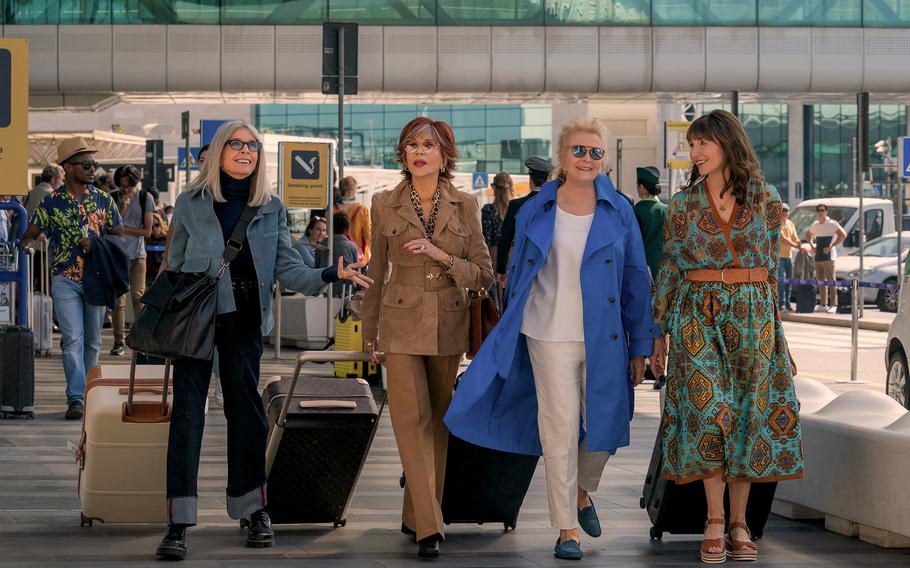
559	377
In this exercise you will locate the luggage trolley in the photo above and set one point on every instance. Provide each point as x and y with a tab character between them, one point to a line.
14	269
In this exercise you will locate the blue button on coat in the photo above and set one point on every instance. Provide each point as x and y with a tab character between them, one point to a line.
495	405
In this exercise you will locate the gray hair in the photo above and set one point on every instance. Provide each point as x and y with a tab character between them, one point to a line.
210	175
50	172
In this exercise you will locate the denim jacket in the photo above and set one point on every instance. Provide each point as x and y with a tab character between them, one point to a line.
197	246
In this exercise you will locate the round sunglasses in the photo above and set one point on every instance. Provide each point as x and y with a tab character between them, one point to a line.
579	151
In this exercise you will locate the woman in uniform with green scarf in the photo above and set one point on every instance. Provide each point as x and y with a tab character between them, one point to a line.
650	213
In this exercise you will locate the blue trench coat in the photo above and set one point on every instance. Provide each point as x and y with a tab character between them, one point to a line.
495	405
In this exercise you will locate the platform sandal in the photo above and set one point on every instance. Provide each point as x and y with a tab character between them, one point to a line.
743	550
707	544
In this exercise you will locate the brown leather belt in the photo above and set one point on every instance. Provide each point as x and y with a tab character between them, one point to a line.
430	276
728	275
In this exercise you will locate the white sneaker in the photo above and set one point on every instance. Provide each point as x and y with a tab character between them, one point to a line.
820	308
832	309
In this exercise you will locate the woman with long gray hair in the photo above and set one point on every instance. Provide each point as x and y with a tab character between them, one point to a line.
233	178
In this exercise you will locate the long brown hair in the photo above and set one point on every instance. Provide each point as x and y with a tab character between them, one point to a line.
725	130
502	193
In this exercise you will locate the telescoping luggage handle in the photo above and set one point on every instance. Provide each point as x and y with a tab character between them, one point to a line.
132	387
306	357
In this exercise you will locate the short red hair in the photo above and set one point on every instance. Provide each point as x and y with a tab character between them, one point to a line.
440	131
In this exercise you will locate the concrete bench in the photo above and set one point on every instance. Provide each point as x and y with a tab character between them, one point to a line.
857	455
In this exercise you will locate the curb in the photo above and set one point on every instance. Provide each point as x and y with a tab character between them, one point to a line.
819	319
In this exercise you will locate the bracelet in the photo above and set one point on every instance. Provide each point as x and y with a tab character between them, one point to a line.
451	262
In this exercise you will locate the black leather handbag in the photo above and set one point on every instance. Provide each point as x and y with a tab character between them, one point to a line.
177	319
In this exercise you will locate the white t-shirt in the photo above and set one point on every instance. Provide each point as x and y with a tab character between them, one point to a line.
827	229
554	310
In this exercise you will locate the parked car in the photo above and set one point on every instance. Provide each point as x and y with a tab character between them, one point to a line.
879	218
879	266
897	384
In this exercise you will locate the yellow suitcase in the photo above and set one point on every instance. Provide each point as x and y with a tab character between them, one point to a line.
349	337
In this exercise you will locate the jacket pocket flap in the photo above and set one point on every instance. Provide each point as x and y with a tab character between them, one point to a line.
459	229
396	229
402	296
453	299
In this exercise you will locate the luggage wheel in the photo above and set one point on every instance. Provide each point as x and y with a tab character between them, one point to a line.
29	415
85	521
244	523
642	503
506	527
340	523
656	534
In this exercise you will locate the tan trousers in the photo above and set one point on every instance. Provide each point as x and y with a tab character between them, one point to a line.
137	289
824	270
420	389
560	377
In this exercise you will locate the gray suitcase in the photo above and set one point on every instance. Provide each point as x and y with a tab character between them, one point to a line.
42	308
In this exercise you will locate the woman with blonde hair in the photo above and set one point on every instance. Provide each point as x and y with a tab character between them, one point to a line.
428	248
573	337
492	214
231	181
731	416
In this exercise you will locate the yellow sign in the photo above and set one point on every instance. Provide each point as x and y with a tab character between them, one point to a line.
14	115
677	147
304	169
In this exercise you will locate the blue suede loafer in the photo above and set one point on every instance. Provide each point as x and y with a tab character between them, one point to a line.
588	520
568	550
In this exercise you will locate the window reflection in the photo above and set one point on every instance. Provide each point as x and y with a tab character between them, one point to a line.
490	138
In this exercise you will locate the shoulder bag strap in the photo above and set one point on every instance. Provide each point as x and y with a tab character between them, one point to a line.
238	236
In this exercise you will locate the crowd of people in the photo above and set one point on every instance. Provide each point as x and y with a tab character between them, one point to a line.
596	289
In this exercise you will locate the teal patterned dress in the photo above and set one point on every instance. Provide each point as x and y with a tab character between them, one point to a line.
731	404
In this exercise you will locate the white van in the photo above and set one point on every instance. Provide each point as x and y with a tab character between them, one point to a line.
879	214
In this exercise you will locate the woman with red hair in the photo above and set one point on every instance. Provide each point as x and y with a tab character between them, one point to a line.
427	236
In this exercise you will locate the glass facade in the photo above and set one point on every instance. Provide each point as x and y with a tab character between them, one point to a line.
766	127
490	138
800	13
833	129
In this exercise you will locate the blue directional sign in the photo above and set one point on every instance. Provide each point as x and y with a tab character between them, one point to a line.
905	157
181	158
479	180
207	129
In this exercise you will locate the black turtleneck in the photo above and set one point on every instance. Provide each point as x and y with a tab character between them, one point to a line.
236	193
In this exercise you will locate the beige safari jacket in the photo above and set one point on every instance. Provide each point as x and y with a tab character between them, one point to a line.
416	306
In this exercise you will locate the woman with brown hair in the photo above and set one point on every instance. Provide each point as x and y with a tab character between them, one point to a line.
428	234
492	214
731	415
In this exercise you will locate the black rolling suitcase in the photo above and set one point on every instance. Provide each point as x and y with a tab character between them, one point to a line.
17	371
682	509
484	485
315	456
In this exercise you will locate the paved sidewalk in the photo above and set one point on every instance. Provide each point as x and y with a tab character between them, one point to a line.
39	510
872	319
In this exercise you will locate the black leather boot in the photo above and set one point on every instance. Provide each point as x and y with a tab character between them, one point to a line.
260	534
173	545
429	546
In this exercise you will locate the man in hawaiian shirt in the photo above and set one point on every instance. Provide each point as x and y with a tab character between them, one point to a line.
69	216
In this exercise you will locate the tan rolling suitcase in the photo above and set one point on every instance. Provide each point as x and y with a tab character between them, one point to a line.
122	454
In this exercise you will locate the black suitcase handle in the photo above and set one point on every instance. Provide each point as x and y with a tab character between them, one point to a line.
277	432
